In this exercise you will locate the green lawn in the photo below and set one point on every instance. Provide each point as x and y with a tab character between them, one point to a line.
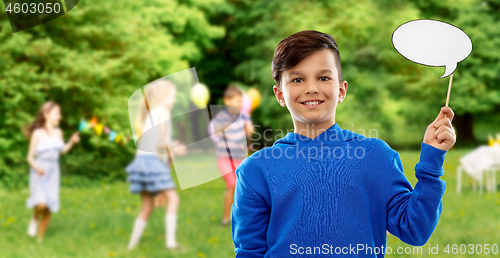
97	221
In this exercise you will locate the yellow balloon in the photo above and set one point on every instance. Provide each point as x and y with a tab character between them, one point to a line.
255	97
200	95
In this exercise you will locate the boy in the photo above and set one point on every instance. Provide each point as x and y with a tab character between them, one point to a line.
322	190
234	132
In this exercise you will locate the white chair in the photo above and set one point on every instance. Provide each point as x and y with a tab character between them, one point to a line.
493	177
488	178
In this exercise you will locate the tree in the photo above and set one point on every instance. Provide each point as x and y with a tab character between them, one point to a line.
90	61
387	93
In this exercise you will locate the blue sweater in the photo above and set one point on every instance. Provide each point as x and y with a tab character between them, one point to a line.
323	197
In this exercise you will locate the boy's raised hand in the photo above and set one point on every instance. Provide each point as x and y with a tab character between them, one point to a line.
440	134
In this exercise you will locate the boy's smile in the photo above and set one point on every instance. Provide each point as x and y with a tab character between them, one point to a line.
311	91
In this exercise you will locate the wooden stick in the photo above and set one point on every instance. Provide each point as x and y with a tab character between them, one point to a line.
449	90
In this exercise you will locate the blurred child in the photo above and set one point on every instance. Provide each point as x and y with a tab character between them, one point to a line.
235	137
147	174
46	143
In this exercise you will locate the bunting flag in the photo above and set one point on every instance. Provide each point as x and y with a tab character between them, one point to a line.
118	138
93	122
99	128
112	135
83	125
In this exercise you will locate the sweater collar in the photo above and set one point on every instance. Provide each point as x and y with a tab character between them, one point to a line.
333	134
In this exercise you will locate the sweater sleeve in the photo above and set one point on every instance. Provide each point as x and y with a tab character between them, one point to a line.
250	215
412	214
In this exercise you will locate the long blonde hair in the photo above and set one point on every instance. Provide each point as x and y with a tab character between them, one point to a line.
156	93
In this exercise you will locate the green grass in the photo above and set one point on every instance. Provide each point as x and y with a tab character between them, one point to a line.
97	221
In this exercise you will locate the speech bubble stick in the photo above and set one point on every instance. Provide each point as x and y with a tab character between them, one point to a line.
449	90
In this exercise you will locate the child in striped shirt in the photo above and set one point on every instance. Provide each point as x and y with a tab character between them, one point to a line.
232	146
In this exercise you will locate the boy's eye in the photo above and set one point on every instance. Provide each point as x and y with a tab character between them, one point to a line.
324	78
295	80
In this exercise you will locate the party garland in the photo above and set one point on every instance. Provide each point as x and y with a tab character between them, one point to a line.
99	128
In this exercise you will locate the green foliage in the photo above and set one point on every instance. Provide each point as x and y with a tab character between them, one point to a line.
93	58
90	61
387	93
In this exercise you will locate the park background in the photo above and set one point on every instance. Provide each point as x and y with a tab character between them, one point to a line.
93	58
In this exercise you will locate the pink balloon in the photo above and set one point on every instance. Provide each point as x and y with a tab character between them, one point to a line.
247	104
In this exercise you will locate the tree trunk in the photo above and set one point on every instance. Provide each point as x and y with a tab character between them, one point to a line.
464	127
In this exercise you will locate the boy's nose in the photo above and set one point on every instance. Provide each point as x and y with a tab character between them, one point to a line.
311	87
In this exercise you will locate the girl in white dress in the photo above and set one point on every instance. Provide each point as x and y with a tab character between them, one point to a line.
46	143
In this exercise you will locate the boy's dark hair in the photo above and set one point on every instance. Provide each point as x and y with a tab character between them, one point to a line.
232	91
295	48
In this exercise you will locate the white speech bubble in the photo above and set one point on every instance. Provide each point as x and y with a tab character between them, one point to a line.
432	43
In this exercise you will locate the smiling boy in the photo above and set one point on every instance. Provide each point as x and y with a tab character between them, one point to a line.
325	191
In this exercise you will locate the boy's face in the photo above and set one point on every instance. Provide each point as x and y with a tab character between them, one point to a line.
235	101
314	78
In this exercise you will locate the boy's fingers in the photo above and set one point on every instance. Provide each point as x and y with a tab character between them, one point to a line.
449	113
444	129
444	110
444	121
445	137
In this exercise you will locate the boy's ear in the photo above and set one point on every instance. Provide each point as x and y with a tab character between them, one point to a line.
342	91
279	95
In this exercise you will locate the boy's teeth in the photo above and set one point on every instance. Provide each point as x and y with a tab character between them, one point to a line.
312	103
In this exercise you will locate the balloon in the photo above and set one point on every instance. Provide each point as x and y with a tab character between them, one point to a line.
254	95
200	95
247	104
106	129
